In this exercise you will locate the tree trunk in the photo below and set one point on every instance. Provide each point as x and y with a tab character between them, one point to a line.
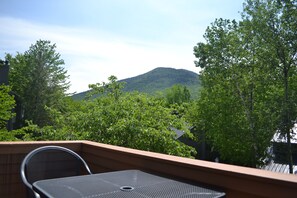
287	121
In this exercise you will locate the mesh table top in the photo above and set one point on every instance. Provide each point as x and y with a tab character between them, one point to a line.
128	183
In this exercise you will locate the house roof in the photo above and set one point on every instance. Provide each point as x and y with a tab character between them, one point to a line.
283	138
279	168
178	132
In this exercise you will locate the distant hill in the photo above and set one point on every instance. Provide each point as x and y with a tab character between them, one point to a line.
158	80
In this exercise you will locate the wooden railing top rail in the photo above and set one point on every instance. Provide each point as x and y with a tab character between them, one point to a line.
14	147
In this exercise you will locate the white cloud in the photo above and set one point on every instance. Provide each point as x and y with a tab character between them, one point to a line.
92	56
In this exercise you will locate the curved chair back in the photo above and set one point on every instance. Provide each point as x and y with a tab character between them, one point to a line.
50	162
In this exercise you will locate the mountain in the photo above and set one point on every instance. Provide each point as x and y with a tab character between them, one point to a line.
158	80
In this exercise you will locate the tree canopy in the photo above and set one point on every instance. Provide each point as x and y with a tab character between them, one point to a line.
131	120
248	71
177	94
38	79
7	104
273	24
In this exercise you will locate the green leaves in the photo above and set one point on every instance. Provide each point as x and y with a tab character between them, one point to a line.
39	80
136	121
177	94
274	26
131	120
246	67
7	104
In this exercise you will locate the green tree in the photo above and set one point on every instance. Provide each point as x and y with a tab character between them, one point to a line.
7	103
248	75
113	88
126	119
38	78
177	94
273	23
233	107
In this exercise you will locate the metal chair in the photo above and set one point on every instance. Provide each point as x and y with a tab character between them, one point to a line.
49	162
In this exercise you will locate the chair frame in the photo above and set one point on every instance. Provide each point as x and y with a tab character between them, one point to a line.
47	148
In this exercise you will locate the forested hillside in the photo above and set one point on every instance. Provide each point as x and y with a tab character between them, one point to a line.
158	80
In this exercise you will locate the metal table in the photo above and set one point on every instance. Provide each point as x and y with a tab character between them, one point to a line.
121	184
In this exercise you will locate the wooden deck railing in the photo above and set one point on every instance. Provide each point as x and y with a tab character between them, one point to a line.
234	180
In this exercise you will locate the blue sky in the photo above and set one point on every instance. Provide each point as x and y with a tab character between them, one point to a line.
125	38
